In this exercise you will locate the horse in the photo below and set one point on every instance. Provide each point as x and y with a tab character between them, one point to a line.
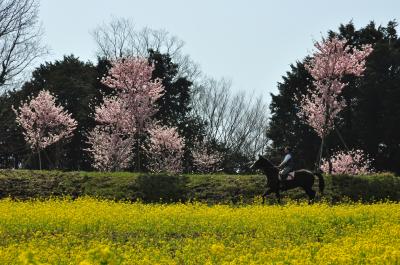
302	178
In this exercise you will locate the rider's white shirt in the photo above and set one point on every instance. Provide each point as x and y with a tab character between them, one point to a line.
286	159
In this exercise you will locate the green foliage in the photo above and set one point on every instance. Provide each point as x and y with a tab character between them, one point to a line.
367	188
12	143
24	184
225	188
156	188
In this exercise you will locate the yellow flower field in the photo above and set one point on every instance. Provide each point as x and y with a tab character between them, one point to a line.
89	231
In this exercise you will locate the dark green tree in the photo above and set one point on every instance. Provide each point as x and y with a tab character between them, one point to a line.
285	126
13	149
377	112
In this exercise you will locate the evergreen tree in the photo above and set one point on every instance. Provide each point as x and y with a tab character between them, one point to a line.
286	129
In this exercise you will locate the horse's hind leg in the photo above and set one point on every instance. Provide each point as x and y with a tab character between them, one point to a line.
311	194
264	196
278	196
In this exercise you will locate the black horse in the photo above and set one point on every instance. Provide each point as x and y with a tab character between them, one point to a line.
302	178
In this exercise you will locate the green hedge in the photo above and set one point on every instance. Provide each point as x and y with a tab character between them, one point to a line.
384	186
218	188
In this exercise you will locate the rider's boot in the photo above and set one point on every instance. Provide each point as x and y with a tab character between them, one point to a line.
282	182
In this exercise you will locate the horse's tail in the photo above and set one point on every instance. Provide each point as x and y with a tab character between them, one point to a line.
321	181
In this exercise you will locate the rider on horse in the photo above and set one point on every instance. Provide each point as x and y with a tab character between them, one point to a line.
302	178
287	164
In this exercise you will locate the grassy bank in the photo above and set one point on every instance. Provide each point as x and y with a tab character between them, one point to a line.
217	188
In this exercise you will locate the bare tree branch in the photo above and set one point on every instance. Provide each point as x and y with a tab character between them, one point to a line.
237	121
20	39
119	38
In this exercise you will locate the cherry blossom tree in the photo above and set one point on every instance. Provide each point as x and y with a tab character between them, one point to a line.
131	78
44	122
165	150
332	60
111	141
123	119
205	160
354	162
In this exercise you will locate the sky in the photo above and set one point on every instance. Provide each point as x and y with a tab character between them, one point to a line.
249	42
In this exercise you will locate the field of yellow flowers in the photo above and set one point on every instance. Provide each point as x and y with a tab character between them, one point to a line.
89	231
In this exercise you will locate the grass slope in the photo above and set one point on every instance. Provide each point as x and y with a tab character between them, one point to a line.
216	188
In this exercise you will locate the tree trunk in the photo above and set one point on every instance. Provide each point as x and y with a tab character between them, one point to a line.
342	140
328	157
40	160
138	153
318	165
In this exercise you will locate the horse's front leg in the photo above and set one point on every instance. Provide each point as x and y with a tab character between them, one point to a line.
278	195
264	196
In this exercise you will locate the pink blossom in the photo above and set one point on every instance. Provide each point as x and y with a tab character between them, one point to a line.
131	78
110	150
205	160
44	122
116	114
165	149
332	60
320	110
354	162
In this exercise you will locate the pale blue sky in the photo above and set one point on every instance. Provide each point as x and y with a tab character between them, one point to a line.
251	42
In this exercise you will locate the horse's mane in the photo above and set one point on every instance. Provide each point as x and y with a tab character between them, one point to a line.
269	166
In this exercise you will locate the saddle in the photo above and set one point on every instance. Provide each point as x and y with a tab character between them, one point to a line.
289	176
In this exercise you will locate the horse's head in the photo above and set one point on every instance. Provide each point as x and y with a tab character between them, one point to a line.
264	164
260	163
